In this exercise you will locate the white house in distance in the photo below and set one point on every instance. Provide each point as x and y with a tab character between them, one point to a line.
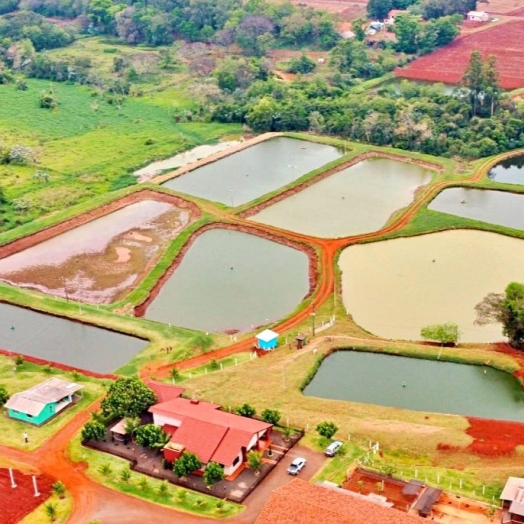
477	16
512	497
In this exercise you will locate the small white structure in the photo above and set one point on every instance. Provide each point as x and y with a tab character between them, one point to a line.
513	500
267	340
390	20
376	25
477	16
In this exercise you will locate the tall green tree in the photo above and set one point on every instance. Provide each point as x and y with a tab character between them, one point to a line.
492	91
327	429
127	397
473	81
408	29
378	9
357	26
507	309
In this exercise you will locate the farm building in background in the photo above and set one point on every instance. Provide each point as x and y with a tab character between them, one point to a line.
512	497
477	16
42	402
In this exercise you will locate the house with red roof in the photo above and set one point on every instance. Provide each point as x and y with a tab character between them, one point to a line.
299	502
212	434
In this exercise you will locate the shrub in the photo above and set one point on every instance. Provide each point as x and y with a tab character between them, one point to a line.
271	416
125	474
214	473
59	489
19	360
50	510
93	430
186	464
143	484
105	469
246	410
163	489
4	396
254	460
327	429
151	436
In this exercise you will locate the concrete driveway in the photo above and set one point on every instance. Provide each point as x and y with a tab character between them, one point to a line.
278	477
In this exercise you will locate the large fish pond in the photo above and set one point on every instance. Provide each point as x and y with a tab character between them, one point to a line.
60	340
254	171
356	200
420	385
229	280
509	171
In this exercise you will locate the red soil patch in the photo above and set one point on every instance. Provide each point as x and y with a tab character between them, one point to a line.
16	503
494	437
347	10
449	63
500	6
517	12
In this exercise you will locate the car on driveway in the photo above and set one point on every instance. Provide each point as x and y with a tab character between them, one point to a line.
296	466
332	449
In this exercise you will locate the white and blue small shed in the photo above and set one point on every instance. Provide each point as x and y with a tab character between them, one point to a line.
267	340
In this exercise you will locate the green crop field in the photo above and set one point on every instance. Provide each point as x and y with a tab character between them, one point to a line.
87	145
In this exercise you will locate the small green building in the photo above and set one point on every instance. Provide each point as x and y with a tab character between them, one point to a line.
42	402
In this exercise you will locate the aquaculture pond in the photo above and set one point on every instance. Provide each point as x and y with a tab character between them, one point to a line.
100	261
509	171
494	207
420	385
255	171
230	280
356	200
60	340
394	288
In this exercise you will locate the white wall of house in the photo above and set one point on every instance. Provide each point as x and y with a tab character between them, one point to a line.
161	420
229	470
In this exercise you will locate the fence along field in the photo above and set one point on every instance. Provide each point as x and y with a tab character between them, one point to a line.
448	64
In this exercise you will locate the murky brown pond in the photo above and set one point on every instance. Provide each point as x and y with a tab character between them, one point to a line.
396	287
100	261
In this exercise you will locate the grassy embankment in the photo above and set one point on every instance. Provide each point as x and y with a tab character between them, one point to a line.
105	469
28	375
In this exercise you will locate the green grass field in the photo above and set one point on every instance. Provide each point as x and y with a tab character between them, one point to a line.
88	146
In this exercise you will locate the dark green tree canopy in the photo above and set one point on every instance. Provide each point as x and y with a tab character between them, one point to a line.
4	396
151	436
128	397
186	464
327	429
507	309
271	416
213	473
93	430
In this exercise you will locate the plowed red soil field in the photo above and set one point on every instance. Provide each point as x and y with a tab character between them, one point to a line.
348	10
449	63
499	7
16	503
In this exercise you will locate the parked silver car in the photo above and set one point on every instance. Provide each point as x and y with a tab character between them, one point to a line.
296	466
332	449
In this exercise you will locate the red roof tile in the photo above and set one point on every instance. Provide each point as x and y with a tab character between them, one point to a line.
299	502
183	407
228	450
199	437
164	391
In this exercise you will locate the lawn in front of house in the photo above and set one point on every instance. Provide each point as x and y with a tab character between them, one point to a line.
28	375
